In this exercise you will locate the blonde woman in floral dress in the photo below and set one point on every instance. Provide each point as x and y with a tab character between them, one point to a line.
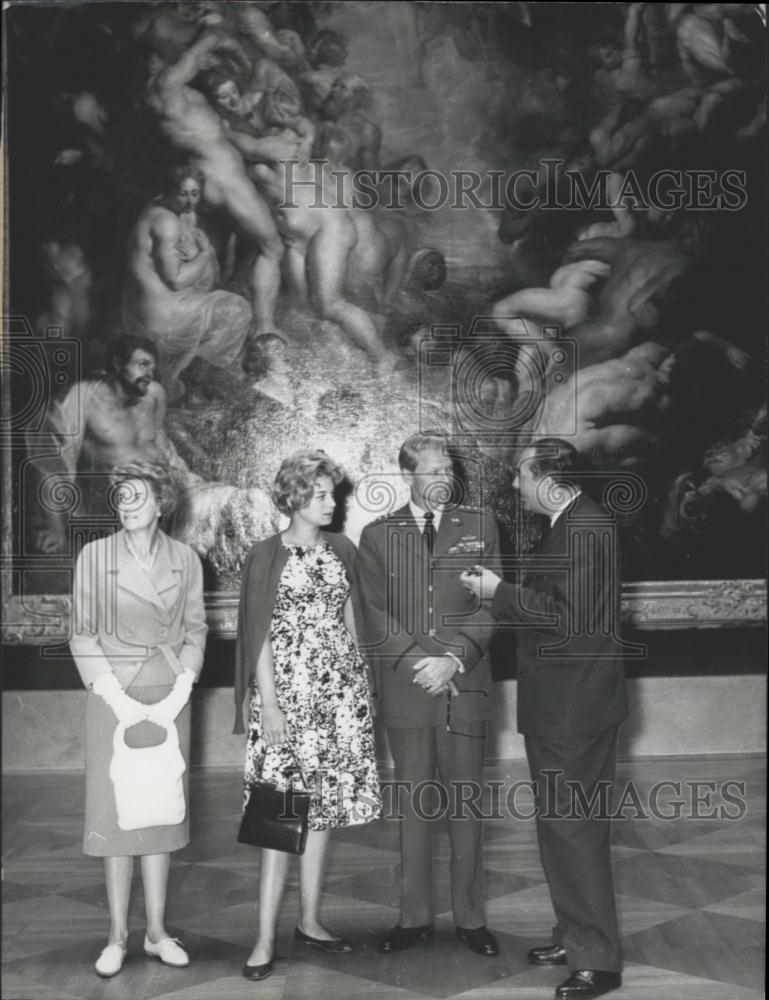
297	658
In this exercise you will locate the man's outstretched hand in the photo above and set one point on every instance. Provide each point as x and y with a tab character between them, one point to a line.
481	582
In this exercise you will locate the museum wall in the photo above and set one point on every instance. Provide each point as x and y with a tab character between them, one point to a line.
466	88
697	692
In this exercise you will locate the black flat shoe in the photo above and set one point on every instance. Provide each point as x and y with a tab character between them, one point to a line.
552	954
337	945
480	940
257	972
404	937
587	983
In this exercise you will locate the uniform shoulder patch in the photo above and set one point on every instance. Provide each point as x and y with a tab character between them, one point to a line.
377	520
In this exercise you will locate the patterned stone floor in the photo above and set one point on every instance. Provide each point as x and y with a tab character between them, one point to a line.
690	885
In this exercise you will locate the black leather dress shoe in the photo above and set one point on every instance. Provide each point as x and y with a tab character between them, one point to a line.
586	983
480	940
404	937
552	954
257	972
338	945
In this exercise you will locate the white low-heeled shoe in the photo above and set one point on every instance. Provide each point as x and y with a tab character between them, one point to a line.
110	962
169	951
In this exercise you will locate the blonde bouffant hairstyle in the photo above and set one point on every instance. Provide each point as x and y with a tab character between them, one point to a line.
295	482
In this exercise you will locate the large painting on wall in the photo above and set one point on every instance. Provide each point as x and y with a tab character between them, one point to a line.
236	230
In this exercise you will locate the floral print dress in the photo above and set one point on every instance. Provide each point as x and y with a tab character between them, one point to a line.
321	689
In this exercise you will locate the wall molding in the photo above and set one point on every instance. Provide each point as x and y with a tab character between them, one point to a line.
40	619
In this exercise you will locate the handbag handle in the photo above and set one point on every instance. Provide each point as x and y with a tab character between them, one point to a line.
298	765
171	741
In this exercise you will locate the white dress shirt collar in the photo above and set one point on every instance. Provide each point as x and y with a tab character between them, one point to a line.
419	516
554	517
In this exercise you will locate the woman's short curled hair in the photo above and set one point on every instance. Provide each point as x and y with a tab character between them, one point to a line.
156	478
295	482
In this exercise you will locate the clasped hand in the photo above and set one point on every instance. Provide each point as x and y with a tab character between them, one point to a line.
434	674
130	712
164	712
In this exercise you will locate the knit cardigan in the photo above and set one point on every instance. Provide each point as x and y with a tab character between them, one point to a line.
261	577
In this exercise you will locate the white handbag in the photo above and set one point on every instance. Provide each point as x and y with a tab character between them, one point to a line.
149	790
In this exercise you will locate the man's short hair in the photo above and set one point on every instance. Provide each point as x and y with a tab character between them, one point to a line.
408	457
295	482
554	457
180	173
123	347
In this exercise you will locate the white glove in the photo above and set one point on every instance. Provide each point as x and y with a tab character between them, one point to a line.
164	712
127	710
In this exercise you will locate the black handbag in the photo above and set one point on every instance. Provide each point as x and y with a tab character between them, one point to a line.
276	818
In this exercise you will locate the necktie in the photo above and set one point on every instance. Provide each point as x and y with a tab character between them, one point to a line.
428	535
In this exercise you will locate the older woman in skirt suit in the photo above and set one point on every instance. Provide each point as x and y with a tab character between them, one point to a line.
138	638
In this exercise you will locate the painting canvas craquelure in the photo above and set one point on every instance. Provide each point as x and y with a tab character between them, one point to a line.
329	225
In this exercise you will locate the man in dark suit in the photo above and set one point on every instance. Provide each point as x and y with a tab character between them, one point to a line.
426	638
571	701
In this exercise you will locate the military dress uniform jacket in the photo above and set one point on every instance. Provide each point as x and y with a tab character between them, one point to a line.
415	606
126	624
566	610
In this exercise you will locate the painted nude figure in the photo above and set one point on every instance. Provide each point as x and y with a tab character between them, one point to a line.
192	126
98	424
319	236
171	292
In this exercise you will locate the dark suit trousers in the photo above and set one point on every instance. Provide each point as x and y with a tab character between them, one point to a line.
575	852
459	760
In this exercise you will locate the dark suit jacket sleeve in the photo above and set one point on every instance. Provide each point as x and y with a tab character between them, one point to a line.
384	637
546	611
580	601
244	665
475	632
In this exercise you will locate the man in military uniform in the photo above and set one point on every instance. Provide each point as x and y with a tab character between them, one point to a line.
427	643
